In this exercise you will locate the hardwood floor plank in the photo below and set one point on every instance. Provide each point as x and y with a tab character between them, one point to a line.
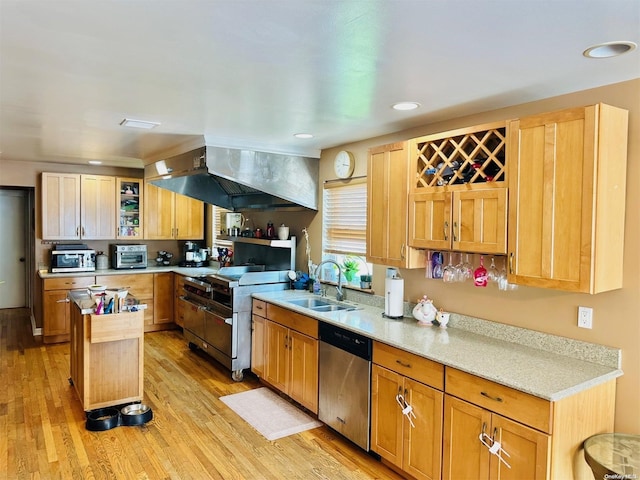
193	435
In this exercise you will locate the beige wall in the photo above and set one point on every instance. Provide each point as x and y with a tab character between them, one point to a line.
616	314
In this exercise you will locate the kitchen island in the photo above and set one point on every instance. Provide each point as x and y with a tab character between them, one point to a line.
107	354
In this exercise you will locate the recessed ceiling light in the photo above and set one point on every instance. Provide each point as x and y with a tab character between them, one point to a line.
95	162
303	135
609	49
405	106
129	122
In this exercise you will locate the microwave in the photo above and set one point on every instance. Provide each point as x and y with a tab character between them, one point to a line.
128	256
66	260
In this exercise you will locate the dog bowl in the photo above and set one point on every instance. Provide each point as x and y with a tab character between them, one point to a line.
102	419
136	414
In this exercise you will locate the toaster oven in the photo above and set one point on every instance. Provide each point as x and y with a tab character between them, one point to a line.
128	256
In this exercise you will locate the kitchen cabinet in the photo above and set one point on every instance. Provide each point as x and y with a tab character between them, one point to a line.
171	216
387	208
410	443
130	199
140	286
78	207
458	192
178	302
162	301
567	181
56	310
543	439
258	337
290	360
472	221
107	358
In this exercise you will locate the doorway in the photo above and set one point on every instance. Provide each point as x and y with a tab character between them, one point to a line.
16	247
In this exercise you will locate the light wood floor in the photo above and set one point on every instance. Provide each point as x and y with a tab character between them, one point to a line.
193	435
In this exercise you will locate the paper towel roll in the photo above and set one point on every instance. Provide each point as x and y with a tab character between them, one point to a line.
394	297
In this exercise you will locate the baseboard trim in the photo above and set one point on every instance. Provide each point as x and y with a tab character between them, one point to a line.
36	331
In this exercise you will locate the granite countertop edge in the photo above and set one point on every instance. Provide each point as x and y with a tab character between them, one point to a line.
188	271
530	369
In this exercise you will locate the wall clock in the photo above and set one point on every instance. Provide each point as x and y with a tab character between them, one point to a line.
344	164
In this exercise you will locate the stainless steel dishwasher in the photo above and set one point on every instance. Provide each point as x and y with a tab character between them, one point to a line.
344	389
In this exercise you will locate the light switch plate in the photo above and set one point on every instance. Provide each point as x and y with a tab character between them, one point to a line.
585	317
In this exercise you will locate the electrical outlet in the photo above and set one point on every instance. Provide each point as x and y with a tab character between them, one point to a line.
585	317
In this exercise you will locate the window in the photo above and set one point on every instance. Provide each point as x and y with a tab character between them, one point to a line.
217	226
344	235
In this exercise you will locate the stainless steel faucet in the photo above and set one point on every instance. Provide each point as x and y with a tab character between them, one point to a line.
339	294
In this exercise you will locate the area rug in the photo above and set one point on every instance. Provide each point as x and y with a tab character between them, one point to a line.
269	414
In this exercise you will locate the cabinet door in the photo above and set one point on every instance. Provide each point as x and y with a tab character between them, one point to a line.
189	218
60	206
56	312
430	220
565	202
130	201
387	208
258	338
386	417
162	297
480	221
303	376
422	453
528	451
277	355
98	207
463	455
158	213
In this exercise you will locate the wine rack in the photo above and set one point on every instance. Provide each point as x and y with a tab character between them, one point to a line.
467	156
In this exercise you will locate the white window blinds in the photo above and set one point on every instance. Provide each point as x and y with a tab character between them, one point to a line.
345	218
217	215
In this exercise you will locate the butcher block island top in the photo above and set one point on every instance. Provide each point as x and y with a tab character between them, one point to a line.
107	354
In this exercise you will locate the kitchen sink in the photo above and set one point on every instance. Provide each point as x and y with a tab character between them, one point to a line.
320	305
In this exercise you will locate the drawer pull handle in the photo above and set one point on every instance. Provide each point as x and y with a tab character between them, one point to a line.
407	365
491	397
258	307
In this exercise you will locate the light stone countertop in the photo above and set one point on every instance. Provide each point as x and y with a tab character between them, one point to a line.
547	366
187	271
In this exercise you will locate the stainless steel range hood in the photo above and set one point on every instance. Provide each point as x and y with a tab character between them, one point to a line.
238	179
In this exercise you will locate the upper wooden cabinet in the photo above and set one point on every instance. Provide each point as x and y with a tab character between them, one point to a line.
130	198
78	207
171	216
567	182
387	227
458	194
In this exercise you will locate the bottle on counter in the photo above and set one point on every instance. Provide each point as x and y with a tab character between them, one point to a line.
271	231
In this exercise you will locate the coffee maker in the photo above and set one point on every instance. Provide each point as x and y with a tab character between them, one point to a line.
191	256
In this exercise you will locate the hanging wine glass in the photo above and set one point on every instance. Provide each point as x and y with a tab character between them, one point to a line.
460	270
480	274
449	272
502	276
467	269
436	261
492	273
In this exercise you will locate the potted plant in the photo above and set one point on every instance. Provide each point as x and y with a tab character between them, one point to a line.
365	281
349	269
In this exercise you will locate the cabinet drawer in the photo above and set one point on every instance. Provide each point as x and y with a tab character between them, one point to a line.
68	283
522	407
259	307
293	320
410	365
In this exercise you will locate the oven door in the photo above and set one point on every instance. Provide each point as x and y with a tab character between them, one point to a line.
193	317
219	332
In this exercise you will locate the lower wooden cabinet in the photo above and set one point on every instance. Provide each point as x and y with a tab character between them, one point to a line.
411	443
285	352
527	451
56	312
162	300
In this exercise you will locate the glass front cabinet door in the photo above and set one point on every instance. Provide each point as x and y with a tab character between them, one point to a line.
130	218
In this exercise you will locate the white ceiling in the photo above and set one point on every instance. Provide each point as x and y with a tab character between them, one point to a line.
251	73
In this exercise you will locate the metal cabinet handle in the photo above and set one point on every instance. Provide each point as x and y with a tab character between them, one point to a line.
491	397
66	300
400	362
455	225
511	263
402	251
259	307
446	230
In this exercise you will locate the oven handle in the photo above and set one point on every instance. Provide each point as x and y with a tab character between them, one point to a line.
228	321
199	306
